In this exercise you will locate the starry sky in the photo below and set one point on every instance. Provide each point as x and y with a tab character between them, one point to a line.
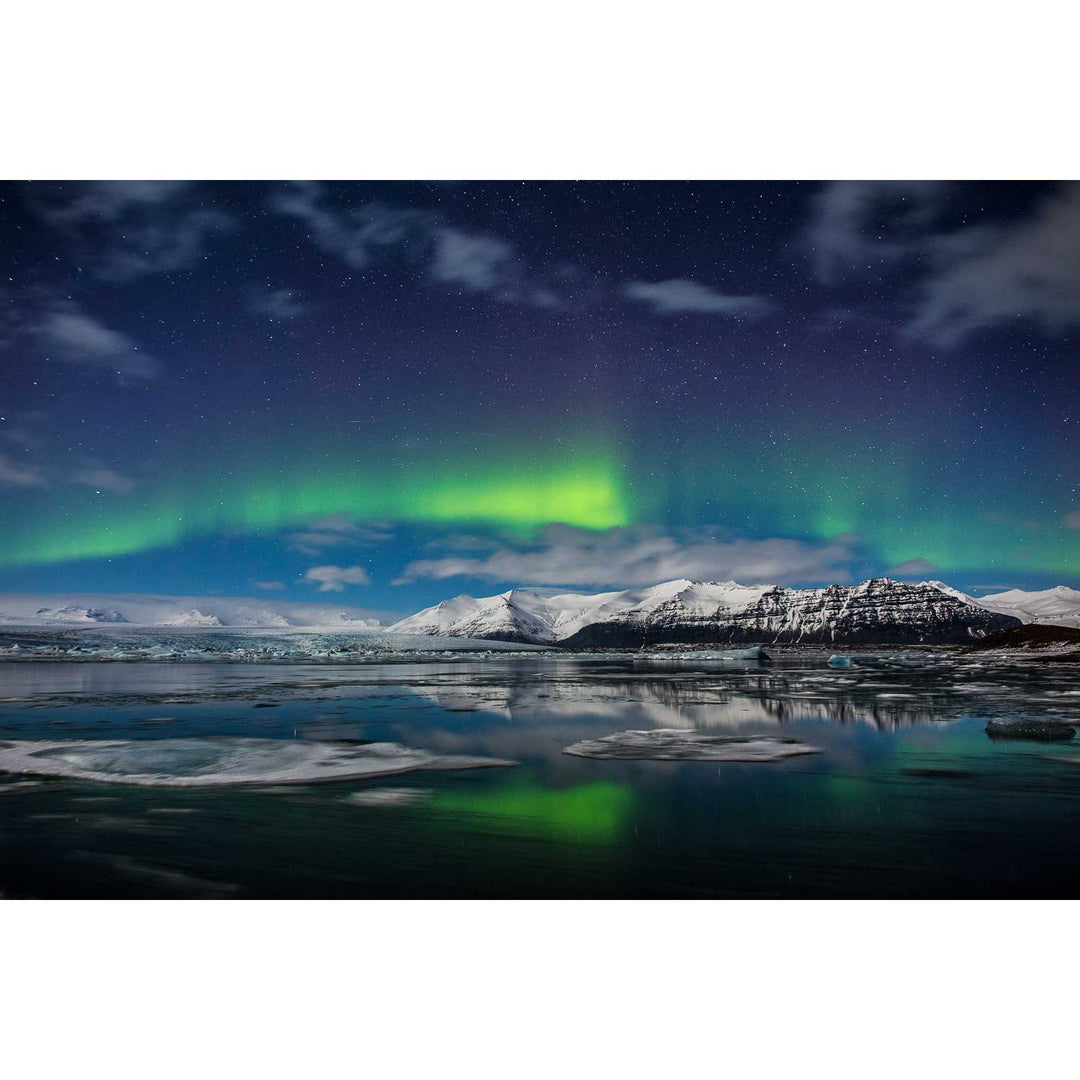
387	393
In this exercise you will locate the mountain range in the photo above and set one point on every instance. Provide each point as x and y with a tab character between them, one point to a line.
877	611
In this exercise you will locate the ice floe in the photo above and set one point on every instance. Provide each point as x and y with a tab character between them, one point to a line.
676	744
389	796
211	762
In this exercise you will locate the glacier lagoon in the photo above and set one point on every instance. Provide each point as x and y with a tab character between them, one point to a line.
367	778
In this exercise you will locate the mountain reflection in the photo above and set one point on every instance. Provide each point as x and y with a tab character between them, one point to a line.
886	696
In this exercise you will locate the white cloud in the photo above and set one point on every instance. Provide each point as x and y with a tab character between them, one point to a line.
625	557
680	295
102	478
974	276
18	474
988	275
126	229
354	235
477	263
855	223
338	530
474	262
277	304
916	567
269	585
335	578
65	333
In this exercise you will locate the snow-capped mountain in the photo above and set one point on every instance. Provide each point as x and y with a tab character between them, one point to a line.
78	616
207	612
878	611
1059	606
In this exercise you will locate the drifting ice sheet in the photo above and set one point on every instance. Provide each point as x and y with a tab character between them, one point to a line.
675	744
210	762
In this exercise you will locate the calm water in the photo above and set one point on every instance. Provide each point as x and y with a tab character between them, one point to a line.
910	797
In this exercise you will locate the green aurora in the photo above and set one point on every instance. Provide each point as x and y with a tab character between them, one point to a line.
882	501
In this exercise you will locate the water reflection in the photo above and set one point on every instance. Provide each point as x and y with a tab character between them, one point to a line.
886	692
909	796
596	812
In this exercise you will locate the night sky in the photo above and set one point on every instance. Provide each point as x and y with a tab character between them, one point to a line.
387	393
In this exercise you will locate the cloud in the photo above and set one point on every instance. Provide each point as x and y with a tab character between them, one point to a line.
338	530
16	474
477	263
335	578
639	556
913	567
974	276
126	229
22	428
66	333
986	275
102	478
354	235
857	222
277	304
680	295
1072	520
474	262
269	585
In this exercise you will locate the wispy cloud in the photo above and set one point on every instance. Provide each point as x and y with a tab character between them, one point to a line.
680	296
473	261
477	263
103	478
126	229
913	567
64	332
338	530
18	474
336	578
357	234
990	275
968	277
856	223
626	557
280	305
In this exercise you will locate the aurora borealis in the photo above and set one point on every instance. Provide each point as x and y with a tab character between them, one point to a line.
213	388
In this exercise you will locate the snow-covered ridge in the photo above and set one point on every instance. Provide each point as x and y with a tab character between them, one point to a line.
1059	606
136	609
880	611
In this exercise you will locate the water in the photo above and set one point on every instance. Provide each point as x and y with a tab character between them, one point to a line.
907	798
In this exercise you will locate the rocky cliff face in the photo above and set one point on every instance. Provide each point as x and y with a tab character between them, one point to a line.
879	611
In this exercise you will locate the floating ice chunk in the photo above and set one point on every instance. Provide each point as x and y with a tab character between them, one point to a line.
389	796
755	653
209	762
839	661
676	744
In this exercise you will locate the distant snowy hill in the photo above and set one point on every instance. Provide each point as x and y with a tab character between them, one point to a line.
1059	606
878	611
89	609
